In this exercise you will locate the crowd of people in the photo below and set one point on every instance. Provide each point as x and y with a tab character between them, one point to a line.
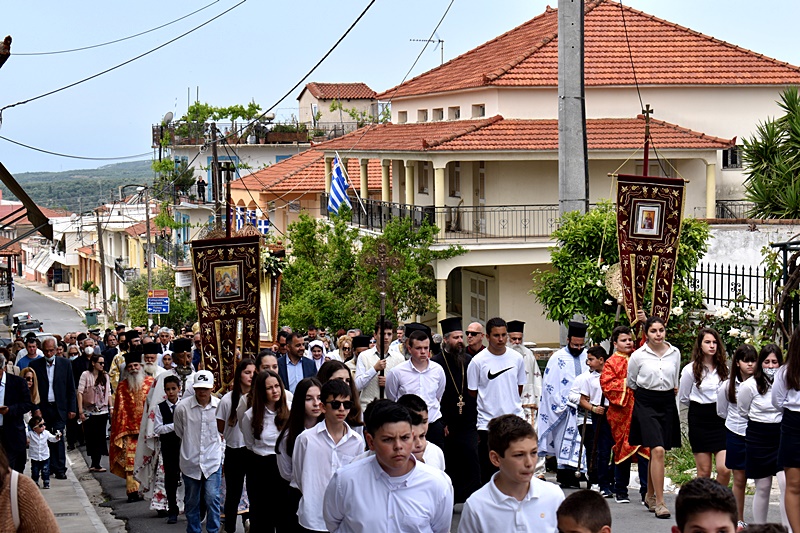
389	430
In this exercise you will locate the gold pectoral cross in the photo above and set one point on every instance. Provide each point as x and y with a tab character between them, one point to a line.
460	404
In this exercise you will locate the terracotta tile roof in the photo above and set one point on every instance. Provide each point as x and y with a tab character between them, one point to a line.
87	250
339	91
140	228
14	249
664	53
7	209
304	172
497	133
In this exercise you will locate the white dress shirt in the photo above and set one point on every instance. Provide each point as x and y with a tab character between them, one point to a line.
587	384
285	462
50	368
734	421
367	376
315	459
651	372
232	434
688	390
757	407
433	456
265	445
38	450
498	379
488	509
201	443
362	498
159	427
782	396
428	384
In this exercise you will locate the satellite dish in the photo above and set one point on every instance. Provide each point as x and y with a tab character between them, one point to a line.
270	116
167	118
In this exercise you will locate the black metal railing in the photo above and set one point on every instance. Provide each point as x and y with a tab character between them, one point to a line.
733	208
462	223
197	134
722	284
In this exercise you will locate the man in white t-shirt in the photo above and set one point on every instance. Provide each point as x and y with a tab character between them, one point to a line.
495	377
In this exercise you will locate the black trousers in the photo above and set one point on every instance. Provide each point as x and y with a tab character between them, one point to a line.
170	454
237	461
436	433
58	453
75	433
267	491
462	463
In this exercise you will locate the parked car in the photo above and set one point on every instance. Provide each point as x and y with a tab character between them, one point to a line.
28	326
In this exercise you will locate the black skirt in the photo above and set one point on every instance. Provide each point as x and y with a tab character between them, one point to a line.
655	420
762	441
735	451
790	440
706	429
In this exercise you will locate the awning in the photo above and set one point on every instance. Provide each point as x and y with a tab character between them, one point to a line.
45	264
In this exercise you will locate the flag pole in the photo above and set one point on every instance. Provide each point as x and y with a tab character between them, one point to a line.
347	176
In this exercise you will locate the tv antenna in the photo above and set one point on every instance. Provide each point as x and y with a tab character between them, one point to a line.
439	42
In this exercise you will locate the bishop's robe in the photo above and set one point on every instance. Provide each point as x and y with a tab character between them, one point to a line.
557	418
125	424
620	407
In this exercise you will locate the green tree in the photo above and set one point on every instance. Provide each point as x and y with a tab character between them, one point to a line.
772	158
586	247
182	308
325	281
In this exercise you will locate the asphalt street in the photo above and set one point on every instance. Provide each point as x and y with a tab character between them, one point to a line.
56	317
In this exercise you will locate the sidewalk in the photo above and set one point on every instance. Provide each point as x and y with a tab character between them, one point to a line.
67	298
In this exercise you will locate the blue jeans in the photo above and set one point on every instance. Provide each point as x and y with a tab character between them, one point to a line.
208	488
43	468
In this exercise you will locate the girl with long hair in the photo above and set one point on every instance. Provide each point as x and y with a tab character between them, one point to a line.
338	370
261	425
302	416
33	386
762	438
653	373
237	456
700	380
94	406
743	366
786	396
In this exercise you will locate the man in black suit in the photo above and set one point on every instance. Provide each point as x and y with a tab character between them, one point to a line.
58	399
165	340
15	401
293	367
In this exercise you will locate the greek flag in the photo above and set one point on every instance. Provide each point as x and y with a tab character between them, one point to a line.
339	185
263	226
239	217
251	217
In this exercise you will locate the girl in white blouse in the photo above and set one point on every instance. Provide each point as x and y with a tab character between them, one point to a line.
742	367
653	375
786	396
260	426
763	431
699	382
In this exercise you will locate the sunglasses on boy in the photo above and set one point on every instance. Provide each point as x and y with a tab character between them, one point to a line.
336	404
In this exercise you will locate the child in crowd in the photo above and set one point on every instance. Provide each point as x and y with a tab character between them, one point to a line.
166	361
593	427
584	511
321	450
705	505
39	451
513	500
164	427
424	450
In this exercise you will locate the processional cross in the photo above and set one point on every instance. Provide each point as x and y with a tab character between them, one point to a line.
382	259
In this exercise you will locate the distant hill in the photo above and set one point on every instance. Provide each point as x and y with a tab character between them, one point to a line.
76	190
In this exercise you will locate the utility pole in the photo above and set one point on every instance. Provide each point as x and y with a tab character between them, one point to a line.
102	263
215	179
573	170
147	251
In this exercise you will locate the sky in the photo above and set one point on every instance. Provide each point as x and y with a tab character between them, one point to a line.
259	50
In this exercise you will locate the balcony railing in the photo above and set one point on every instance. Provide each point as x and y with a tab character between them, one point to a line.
733	208
461	223
197	134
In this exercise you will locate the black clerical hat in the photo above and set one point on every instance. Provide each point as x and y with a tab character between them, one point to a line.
515	326
576	329
449	325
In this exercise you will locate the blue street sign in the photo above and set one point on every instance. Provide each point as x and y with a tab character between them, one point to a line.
158	306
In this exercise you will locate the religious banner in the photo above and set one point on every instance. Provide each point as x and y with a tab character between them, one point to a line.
649	214
227	280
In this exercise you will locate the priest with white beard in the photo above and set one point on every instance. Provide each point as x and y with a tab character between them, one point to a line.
150	366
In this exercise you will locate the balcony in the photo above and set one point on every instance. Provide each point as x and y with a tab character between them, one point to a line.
196	134
735	209
462	223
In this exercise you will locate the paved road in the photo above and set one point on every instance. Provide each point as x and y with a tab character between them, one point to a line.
56	317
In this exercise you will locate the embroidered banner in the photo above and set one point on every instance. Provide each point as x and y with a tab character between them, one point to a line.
649	214
227	280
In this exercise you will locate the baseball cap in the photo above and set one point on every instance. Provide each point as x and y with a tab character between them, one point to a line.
203	380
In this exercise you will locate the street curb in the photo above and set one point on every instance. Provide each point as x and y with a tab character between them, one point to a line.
78	467
78	310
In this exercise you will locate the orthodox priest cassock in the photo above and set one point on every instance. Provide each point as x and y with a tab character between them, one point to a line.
557	420
459	412
128	408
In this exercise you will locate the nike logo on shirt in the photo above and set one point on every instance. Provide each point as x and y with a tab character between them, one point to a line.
492	376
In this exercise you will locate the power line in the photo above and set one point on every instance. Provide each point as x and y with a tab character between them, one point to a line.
22	102
134	156
115	40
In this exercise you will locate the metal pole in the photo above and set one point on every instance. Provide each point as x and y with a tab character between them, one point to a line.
215	194
102	263
147	250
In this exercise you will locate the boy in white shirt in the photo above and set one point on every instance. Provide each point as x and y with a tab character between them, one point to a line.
417	497
513	500
39	450
424	450
321	450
